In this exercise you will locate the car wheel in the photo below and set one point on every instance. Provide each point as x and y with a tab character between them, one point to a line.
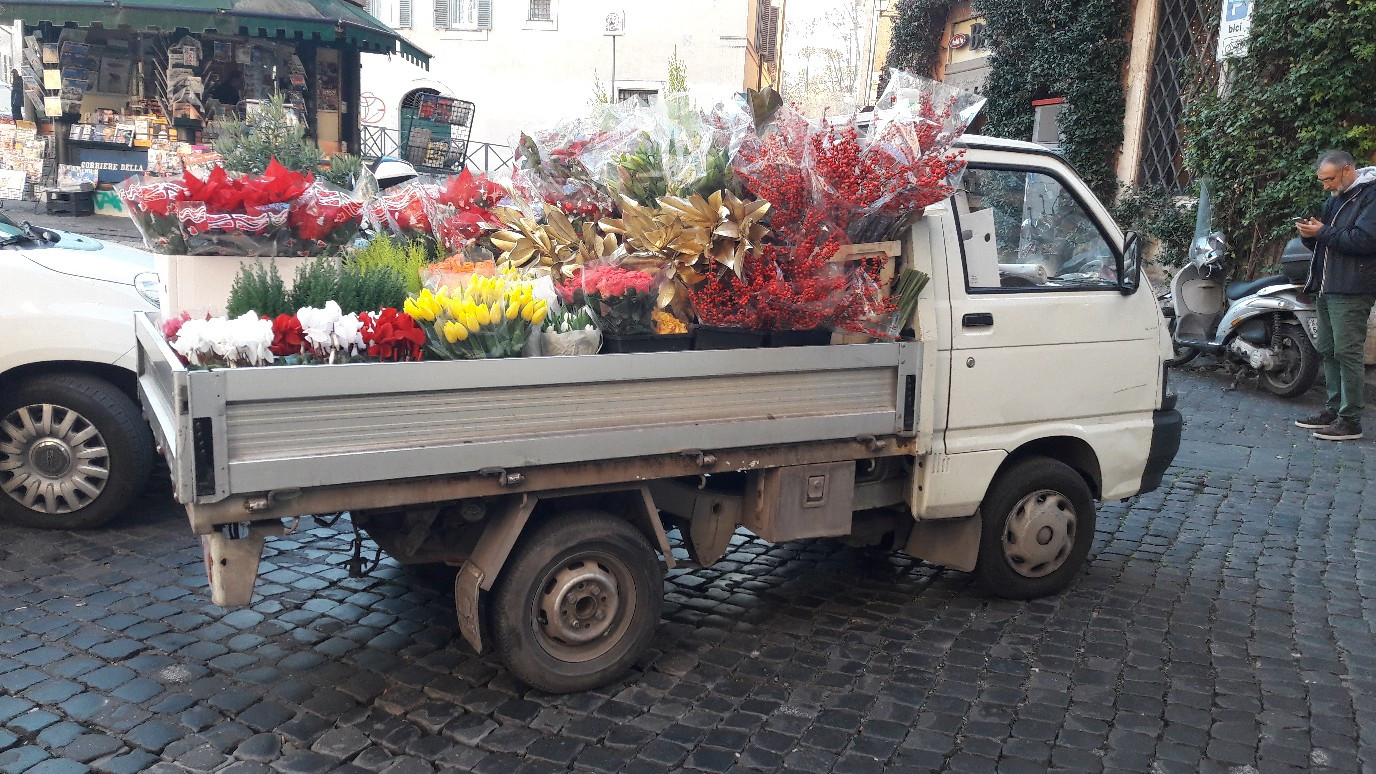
578	603
74	451
1037	527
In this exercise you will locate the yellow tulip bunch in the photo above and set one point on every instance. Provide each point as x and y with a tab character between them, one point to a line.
483	317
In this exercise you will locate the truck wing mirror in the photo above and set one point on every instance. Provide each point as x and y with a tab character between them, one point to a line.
1130	264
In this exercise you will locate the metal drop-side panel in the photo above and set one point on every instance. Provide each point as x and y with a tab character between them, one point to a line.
310	426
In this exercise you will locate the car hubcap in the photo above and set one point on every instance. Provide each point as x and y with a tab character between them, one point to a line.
1039	533
52	460
582	606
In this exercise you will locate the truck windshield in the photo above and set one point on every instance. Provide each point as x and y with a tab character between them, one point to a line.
1042	236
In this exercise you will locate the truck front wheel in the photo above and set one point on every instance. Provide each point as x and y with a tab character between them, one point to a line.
73	452
1037	527
577	603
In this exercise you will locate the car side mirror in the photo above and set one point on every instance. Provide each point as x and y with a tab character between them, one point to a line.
1130	264
42	234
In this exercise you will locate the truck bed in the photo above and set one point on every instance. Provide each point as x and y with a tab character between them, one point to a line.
282	431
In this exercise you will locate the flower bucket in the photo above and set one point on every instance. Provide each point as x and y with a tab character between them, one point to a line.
815	337
714	337
648	342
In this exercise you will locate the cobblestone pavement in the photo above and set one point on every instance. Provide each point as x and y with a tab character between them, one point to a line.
1223	624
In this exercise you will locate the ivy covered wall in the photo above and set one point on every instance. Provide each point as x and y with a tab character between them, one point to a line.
1074	49
1306	87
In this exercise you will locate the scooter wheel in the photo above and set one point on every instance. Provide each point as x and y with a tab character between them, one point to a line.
1301	367
1182	354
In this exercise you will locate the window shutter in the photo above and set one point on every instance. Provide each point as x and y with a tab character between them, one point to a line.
767	36
404	14
484	14
441	14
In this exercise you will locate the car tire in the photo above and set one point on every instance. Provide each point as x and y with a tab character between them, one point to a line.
74	452
1037	525
577	603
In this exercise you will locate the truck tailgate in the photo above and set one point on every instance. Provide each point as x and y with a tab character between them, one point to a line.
236	431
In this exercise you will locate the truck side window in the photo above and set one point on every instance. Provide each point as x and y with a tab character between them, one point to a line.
1030	232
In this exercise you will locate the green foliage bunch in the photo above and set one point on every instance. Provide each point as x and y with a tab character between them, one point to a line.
259	288
382	252
247	146
1305	88
355	287
1061	48
1157	214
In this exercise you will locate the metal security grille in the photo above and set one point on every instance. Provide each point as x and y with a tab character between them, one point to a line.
1184	33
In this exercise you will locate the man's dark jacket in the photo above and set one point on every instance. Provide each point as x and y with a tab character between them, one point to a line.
1344	259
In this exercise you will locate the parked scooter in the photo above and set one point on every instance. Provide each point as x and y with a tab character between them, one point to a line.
1267	326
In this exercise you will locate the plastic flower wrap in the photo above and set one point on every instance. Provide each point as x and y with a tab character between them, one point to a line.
321	219
546	169
461	210
151	204
210	233
484	317
223	215
403	210
569	332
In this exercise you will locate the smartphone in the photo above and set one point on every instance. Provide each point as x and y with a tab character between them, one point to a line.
1298	218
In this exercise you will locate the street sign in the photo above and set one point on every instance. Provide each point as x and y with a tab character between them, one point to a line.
615	24
1234	28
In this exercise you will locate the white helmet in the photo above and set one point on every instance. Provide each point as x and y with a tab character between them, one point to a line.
391	171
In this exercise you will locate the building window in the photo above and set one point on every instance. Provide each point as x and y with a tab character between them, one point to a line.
404	14
646	97
463	14
541	10
766	30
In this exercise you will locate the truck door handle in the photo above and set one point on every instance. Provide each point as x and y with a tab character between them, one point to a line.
977	320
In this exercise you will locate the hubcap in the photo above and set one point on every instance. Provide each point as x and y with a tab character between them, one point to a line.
1039	533
52	460
584	606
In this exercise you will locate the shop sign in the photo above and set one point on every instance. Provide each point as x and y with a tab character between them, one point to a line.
1234	28
969	40
112	166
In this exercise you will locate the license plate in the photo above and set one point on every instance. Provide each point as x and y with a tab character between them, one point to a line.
1313	327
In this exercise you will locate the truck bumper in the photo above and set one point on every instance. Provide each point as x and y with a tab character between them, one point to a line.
1165	442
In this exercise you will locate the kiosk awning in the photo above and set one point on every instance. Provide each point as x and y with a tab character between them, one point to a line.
327	21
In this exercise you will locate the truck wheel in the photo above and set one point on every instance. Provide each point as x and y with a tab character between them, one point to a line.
74	451
1301	367
577	603
1038	524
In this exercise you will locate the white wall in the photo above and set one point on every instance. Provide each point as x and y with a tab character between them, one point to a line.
524	75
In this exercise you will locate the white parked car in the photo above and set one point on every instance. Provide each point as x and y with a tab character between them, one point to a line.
74	449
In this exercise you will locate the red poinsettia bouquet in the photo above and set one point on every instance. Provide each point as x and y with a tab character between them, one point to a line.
547	169
403	211
152	205
321	218
245	215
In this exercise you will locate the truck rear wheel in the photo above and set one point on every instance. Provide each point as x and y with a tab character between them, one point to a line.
74	451
1038	524
577	603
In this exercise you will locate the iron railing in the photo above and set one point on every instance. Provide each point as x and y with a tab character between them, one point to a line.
486	157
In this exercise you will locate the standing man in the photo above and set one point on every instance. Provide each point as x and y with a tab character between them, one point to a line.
1343	274
16	95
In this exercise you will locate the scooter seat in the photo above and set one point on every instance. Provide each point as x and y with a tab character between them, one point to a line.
1236	290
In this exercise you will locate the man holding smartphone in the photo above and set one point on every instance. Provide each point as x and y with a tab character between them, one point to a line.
1342	273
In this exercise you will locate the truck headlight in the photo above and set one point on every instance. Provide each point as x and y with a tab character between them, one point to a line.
146	283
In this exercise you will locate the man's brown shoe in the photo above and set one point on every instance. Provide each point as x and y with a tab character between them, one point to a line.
1319	421
1341	430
